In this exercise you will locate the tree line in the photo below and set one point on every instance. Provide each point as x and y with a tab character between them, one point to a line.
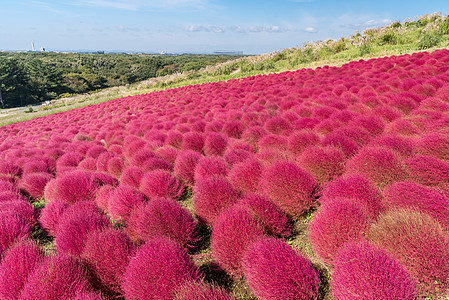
33	77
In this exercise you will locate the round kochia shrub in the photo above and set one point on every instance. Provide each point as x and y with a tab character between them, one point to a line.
363	272
185	164
245	176
195	290
50	215
72	187
106	254
162	217
161	183
13	228
274	271
122	201
57	277
211	196
157	270
288	186
131	176
15	267
324	163
420	245
33	184
235	229
215	144
428	170
348	222
210	166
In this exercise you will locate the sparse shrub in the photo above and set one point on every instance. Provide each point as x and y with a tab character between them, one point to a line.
349	222
106	254
185	164
75	224
131	176
382	166
162	217
270	216
51	214
324	163
420	245
122	201
57	277
15	267
161	183
363	272
274	270
289	186
245	176
429	40
157	270
194	290
215	144
235	229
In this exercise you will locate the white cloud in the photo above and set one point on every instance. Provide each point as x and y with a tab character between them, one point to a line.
141	4
311	30
45	6
236	29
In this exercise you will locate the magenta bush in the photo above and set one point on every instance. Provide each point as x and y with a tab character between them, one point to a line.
185	164
358	189
324	163
401	145
194	290
277	124
33	184
235	229
87	296
156	163
72	187
270	216
289	186
210	166
102	158
300	140
157	270
364	272
68	161
161	183
420	245
115	166
380	165
22	208
57	277
214	144
245	176
233	129
434	144
13	228
167	153
75	224
193	141
236	155
349	222
211	196
162	217
100	179
428	170
274	270
15	267
131	176
51	214
174	139
9	168
88	164
122	201
102	197
106	254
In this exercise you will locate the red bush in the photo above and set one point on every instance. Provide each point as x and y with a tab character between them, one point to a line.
277	124
67	161
245	176
15	267
194	290
428	170
131	176
87	296
380	165
274	270
215	144
88	164
193	141
298	141
349	222
235	229
167	153
288	186
33	184
363	272
162	217
158	269
72	187
115	166
434	144
122	201
270	216
420	245
160	183
9	168
106	254
347	145
400	144
57	277
211	196
51	214
13	228
210	166
233	129
185	164
174	138
75	224
324	163
102	158
234	156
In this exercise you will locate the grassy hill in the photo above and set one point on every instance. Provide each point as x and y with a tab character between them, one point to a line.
425	33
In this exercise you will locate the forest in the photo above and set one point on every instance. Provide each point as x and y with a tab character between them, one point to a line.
32	77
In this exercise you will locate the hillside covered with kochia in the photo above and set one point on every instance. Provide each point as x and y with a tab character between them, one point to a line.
326	183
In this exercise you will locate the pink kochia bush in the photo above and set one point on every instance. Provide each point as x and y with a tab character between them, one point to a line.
195	290
274	271
106	254
289	186
159	268
13	228
161	183
211	196
185	164
363	272
420	245
162	217
72	187
15	267
324	163
348	222
245	176
50	216
33	184
235	229
210	166
57	277
122	201
428	170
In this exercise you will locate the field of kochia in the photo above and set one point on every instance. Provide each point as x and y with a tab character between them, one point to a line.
326	183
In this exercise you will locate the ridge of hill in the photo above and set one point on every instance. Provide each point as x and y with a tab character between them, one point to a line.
423	33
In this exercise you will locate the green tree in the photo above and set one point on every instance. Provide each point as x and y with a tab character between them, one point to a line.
13	83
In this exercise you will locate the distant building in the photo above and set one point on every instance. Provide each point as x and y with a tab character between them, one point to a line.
228	52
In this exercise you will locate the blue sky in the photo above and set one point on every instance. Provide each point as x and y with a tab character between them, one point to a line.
204	26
